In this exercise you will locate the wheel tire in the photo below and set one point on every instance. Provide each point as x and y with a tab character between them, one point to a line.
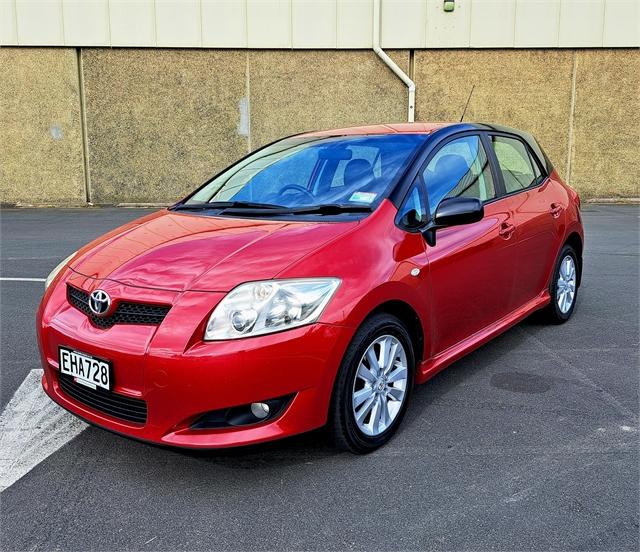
552	313
343	427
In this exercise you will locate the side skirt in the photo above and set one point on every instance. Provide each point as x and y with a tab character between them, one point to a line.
433	365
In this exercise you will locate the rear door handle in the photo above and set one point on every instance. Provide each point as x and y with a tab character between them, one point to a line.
556	210
506	230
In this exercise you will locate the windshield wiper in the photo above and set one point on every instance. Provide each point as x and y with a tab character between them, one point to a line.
224	205
327	209
330	209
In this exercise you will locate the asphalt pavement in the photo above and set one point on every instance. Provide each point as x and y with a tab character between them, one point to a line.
529	443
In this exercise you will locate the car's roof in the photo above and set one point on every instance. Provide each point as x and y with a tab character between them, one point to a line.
430	128
386	128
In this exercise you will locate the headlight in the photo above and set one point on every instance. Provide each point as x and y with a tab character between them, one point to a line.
57	269
259	308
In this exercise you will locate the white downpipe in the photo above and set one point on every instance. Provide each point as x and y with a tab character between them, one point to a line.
377	19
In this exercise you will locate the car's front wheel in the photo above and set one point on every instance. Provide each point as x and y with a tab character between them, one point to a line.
373	385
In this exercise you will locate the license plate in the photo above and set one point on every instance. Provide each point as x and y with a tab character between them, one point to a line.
85	369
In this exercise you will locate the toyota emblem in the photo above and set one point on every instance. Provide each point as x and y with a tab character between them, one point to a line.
99	302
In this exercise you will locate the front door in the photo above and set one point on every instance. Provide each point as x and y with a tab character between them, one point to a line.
471	266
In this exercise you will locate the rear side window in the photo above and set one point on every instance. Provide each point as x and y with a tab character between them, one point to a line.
518	170
459	169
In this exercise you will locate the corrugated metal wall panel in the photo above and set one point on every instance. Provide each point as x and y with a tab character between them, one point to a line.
404	24
320	23
621	23
354	27
313	23
132	22
86	23
224	24
39	22
178	23
537	23
269	23
448	30
581	23
8	31
492	23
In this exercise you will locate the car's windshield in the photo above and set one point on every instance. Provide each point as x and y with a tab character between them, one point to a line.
302	172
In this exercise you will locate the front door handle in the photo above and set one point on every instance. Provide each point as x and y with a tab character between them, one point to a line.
506	230
556	210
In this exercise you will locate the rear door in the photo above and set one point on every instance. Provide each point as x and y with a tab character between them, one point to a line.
538	213
471	266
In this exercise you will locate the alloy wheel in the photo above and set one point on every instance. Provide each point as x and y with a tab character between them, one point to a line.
380	385
566	284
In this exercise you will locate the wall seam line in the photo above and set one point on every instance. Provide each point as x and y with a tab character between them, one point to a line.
200	17
64	39
109	22
572	110
15	17
155	24
83	128
248	92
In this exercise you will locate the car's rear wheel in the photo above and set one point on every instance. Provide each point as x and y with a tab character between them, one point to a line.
373	385
564	287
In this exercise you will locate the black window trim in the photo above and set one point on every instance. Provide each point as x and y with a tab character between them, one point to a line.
436	147
533	158
422	190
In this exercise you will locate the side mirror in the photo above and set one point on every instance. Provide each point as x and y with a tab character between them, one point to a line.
453	211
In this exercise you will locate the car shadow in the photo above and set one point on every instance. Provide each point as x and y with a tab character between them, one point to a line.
316	445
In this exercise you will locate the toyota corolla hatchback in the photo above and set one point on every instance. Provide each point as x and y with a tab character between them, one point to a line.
311	283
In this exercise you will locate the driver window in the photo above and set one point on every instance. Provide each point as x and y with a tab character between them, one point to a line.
459	169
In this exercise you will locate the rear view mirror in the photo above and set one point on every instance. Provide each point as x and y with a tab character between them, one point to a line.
453	211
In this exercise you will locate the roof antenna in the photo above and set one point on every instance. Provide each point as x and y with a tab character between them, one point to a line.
467	104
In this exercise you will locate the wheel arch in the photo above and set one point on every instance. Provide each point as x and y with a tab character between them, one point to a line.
409	317
575	240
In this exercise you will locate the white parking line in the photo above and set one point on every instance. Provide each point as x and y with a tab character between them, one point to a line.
32	427
23	279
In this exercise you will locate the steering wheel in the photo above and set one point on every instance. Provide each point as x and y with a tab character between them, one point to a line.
296	188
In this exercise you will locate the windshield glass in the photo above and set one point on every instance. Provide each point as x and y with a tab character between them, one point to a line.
312	171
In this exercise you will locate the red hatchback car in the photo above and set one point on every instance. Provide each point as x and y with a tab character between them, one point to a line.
312	282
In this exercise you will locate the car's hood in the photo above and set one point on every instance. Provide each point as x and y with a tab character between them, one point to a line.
176	251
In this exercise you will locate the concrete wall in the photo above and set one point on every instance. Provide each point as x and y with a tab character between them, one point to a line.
160	121
157	122
41	157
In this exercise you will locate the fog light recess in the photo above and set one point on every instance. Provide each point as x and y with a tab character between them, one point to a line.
245	415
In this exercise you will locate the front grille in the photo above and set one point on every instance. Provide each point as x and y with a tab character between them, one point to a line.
112	404
125	313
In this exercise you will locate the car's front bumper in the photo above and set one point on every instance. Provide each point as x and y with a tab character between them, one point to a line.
180	378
